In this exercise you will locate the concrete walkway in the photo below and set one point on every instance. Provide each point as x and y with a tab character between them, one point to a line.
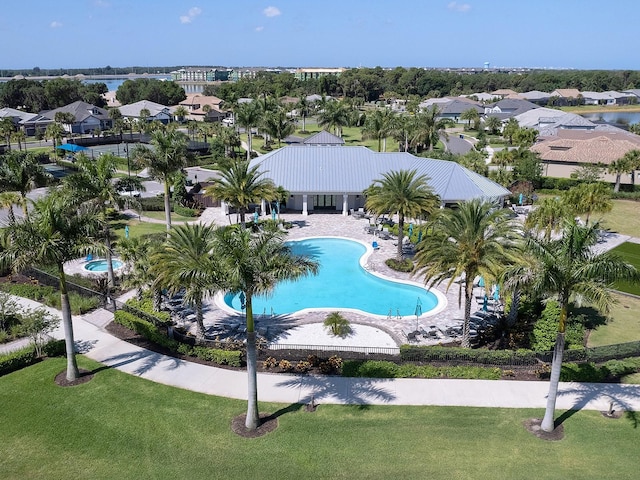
94	342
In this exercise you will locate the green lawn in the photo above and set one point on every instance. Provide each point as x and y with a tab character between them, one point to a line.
137	228
623	218
631	253
174	216
623	324
120	426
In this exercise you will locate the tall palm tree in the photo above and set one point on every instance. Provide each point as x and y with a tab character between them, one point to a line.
589	198
94	182
426	128
136	253
253	265
240	185
493	124
21	172
168	157
304	108
405	192
509	130
548	216
53	234
248	115
180	113
55	132
8	200
471	115
566	268
19	137
277	124
186	261
401	131
7	129
379	126
334	115
473	239
628	163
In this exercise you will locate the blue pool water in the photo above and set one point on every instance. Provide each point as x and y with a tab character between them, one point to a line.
101	265
341	283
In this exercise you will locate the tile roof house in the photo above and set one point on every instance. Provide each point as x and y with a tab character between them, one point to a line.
87	117
157	112
195	103
326	178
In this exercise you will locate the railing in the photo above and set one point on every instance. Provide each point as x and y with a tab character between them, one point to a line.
391	351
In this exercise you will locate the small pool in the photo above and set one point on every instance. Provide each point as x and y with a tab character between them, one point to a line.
101	265
341	284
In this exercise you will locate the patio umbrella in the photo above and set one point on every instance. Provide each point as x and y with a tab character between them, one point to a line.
481	284
521	198
410	230
419	235
485	304
255	217
273	215
496	293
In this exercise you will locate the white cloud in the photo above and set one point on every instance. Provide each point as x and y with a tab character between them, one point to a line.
259	29
459	7
55	24
271	11
191	14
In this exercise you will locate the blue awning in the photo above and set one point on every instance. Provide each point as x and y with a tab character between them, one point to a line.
71	147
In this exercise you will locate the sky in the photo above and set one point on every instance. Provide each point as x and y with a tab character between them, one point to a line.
579	34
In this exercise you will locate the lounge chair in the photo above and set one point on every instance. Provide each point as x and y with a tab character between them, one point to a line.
375	245
412	335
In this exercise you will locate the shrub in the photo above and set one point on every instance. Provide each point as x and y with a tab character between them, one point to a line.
384	369
146	306
285	365
270	362
16	360
583	372
221	357
620	368
404	265
338	325
184	211
144	328
544	333
303	366
50	296
152	204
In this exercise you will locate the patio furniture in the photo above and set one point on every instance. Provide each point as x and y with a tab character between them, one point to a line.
375	245
412	335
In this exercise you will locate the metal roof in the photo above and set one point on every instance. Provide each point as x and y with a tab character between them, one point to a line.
350	170
323	138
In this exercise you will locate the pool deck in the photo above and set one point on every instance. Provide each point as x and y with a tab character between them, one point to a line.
336	225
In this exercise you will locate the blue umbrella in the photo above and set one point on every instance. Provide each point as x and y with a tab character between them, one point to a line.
485	304
126	231
273	215
419	235
410	229
521	198
496	293
481	282
255	217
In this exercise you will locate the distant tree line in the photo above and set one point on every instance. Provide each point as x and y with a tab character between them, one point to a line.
38	95
370	84
106	70
162	92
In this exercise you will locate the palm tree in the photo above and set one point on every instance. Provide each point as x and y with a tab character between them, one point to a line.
277	125
470	115
401	131
248	115
20	138
21	172
379	126
253	265
588	198
8	200
510	129
404	192
473	239
566	268
55	132
304	108
548	216
94	182
185	261
240	185
65	118
334	115
628	163
54	233
180	113
136	253
7	129
493	124
166	159
426	128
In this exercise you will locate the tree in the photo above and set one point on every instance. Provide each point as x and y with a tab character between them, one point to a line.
254	264
524	137
404	192
137	252
21	172
510	129
471	115
475	161
473	239
493	124
54	233
166	159
65	118
185	261
94	183
277	124
180	113
240	185
335	114
304	108
548	216
628	163
248	115
37	324
426	128
55	132
588	198
566	268
7	129
378	126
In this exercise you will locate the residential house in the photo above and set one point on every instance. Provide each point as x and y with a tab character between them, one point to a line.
455	108
19	118
197	104
504	92
157	112
324	139
565	96
87	118
606	98
537	97
508	107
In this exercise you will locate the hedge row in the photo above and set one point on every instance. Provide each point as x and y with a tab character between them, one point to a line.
384	369
221	357
411	353
590	372
26	356
185	211
146	306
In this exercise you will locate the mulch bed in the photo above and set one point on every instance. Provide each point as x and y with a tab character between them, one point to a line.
533	426
268	423
85	376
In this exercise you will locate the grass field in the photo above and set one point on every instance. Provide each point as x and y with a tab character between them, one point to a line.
623	218
623	324
631	253
120	426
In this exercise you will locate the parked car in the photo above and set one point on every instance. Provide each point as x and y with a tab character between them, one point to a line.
129	193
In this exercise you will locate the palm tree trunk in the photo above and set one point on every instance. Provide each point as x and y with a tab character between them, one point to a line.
167	205
72	365
548	424
400	237
468	298
253	417
249	143
110	275
616	189
199	321
304	123
157	299
515	305
384	144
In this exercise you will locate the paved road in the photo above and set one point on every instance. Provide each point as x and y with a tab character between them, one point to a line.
456	145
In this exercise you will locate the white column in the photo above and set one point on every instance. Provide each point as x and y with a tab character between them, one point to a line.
224	207
263	207
345	205
304	204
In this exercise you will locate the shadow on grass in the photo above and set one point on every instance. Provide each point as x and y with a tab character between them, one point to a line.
618	396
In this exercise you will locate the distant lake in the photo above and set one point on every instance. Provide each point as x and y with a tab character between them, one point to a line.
113	83
615	118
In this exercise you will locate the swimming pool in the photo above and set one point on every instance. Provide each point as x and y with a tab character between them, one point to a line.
101	265
342	284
